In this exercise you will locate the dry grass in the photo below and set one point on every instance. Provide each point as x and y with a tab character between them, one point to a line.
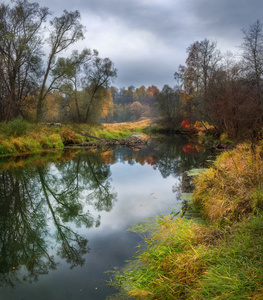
177	254
131	126
20	136
232	188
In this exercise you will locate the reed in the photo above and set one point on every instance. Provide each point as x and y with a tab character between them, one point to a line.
232	188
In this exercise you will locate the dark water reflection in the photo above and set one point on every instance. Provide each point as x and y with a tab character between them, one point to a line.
64	216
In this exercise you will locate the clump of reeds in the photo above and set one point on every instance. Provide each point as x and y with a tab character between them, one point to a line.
232	188
177	254
235	272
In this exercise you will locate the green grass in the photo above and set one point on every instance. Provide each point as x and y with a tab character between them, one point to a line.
19	136
237	269
184	260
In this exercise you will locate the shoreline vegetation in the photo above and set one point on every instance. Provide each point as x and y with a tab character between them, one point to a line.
218	255
21	137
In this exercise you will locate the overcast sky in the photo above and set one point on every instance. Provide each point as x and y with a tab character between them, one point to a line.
147	39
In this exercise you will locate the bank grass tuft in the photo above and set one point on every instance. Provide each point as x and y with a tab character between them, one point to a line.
70	136
232	188
177	254
236	271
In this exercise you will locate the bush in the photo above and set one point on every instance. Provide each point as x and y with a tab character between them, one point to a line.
56	141
6	147
18	127
70	137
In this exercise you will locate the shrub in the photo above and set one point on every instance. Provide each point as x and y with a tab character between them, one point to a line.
6	147
18	127
18	144
70	137
56	141
31	145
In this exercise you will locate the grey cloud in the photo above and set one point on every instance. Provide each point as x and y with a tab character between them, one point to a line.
161	29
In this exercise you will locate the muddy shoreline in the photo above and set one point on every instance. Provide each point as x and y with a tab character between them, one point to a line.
129	142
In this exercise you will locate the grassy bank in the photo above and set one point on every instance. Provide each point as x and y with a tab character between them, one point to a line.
220	257
19	136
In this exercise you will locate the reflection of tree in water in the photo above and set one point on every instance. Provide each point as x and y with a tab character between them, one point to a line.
60	192
23	228
164	154
173	161
168	155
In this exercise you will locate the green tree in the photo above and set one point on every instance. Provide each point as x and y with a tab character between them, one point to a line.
20	55
98	77
65	31
169	106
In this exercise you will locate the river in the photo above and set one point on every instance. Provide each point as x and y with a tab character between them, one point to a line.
64	215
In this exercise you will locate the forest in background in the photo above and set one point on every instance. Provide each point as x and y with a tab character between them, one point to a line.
224	90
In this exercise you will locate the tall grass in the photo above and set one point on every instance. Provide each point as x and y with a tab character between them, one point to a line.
232	188
221	258
236	271
19	136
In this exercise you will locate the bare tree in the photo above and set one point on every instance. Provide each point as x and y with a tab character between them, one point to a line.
65	31
98	76
253	56
203	59
233	104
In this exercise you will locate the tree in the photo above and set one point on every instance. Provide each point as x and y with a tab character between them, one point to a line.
202	61
140	93
169	105
98	76
20	55
253	56
65	31
74	68
233	105
114	94
152	93
137	109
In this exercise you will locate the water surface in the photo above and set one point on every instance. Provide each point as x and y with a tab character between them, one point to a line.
64	216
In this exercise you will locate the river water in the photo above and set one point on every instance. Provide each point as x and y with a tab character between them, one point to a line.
64	215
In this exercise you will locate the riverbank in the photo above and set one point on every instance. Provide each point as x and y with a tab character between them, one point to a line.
20	137
217	256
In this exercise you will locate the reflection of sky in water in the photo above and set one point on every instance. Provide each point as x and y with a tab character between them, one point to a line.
141	192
